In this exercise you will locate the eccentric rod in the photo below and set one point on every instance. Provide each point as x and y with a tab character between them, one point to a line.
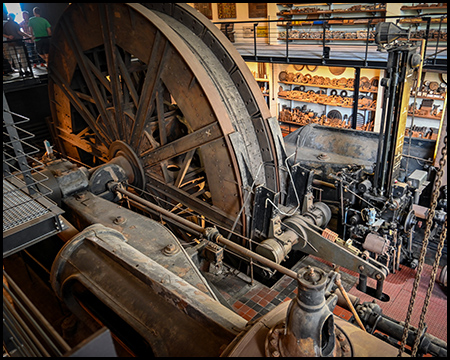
211	234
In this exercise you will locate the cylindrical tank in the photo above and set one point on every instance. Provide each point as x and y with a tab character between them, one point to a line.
154	312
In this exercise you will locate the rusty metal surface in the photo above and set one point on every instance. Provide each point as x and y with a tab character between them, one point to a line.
251	342
147	236
309	329
184	102
328	148
172	316
210	36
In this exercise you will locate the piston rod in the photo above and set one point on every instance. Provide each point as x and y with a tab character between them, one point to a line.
210	233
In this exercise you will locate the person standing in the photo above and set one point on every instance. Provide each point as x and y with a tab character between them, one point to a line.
34	59
41	30
15	49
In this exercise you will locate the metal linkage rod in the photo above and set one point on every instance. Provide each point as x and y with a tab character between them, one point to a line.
210	233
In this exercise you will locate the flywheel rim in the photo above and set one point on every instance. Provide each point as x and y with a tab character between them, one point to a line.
70	56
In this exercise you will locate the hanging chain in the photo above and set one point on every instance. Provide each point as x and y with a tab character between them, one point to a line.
430	287
442	162
423	251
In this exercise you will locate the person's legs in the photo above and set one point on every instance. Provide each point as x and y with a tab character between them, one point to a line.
42	48
10	54
39	49
34	58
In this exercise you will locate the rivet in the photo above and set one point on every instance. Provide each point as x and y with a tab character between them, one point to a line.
119	220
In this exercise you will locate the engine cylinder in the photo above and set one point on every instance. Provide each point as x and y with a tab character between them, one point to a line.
376	244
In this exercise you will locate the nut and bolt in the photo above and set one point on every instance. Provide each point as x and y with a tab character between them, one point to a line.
119	220
341	337
346	348
170	249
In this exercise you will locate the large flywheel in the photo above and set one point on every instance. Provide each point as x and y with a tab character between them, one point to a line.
160	85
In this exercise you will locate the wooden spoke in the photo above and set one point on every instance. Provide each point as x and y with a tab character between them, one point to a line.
161	119
184	168
178	147
79	106
113	70
145	106
122	75
127	78
88	76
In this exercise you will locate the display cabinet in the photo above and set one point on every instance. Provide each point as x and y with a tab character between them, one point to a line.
261	73
437	31
324	95
427	105
302	22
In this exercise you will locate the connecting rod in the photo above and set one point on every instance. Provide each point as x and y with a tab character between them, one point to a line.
211	234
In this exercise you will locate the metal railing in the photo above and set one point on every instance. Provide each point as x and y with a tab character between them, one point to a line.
21	61
25	202
18	56
257	39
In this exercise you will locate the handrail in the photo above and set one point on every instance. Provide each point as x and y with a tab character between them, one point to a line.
367	41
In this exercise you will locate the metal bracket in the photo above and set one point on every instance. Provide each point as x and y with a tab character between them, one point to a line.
341	254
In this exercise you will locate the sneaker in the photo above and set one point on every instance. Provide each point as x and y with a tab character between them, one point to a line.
43	65
35	66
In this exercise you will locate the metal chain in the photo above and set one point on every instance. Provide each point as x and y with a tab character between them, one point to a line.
430	287
423	251
442	163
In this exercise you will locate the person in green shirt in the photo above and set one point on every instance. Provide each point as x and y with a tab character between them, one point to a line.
40	29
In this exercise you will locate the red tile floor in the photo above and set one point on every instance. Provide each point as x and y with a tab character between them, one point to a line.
259	299
399	286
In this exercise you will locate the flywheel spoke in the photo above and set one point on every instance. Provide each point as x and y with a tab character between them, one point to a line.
80	107
126	79
85	69
110	52
180	146
146	101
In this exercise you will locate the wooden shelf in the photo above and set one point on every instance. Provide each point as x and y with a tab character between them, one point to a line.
320	39
319	103
262	80
290	122
348	22
428	97
336	11
301	4
418	7
327	86
425	117
433	21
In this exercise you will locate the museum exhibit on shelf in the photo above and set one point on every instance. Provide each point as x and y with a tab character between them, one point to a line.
224	179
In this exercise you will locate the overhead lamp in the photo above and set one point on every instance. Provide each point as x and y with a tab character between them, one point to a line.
387	32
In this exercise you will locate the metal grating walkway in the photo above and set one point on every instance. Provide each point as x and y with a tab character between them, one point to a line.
19	207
